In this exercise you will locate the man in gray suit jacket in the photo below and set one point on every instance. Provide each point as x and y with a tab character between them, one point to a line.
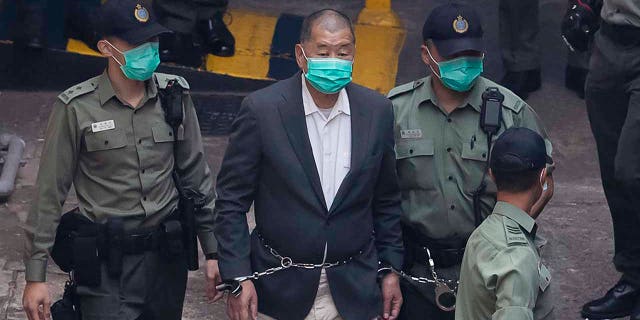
315	154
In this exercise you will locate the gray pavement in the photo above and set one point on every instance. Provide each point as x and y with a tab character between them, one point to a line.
576	222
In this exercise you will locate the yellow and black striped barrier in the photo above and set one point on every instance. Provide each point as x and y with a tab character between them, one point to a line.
265	44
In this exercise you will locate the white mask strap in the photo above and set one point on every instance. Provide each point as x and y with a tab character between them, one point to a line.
114	58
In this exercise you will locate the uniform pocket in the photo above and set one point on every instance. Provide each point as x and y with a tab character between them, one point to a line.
415	163
105	140
162	133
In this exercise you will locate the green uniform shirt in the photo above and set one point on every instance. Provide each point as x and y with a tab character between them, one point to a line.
502	276
621	12
442	158
120	161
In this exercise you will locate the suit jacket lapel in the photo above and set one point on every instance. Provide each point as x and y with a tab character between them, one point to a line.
294	121
360	131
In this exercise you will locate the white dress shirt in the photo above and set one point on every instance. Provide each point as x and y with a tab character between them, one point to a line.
330	139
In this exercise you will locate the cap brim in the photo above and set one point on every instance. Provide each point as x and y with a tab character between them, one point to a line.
449	47
144	34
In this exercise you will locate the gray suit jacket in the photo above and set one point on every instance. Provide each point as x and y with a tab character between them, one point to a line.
269	162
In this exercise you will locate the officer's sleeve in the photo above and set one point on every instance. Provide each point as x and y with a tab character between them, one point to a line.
236	187
386	202
528	118
515	274
195	175
57	169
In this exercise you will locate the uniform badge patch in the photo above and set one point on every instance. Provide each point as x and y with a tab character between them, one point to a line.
103	126
411	134
460	25
141	13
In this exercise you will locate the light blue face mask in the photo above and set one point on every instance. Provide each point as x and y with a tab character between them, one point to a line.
459	74
328	75
140	62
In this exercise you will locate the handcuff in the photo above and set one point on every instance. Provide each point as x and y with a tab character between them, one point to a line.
233	287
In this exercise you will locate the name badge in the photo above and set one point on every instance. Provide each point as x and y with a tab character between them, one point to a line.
411	134
103	126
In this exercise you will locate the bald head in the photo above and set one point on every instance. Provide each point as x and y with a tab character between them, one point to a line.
327	20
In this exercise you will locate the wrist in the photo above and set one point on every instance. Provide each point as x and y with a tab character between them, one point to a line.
211	256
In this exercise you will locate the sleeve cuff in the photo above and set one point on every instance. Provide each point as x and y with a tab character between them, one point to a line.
36	270
208	243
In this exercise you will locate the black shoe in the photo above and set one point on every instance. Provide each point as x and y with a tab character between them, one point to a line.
522	82
617	303
574	79
217	37
180	48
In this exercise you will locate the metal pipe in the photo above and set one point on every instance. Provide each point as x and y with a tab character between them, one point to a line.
11	165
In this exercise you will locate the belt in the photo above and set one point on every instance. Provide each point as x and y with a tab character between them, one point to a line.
623	35
443	258
444	253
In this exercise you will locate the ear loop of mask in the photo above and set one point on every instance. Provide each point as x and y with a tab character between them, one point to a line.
434	61
114	58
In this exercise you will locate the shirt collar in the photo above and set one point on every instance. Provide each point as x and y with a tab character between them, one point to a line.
516	214
310	107
105	90
474	99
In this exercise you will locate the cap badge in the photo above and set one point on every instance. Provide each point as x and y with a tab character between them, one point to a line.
460	25
141	13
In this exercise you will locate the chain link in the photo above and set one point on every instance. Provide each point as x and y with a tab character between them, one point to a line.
287	262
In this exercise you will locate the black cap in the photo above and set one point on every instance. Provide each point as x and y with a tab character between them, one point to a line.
517	150
454	27
130	20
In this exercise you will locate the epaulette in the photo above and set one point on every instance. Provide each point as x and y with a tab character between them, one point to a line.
162	79
78	90
514	234
405	88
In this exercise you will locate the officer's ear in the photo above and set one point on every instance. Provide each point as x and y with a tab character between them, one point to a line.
105	48
543	177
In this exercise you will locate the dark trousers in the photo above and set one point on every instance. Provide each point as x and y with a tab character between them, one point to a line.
519	27
151	287
182	15
416	306
613	104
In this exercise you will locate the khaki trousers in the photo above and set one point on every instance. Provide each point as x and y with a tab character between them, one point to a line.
323	307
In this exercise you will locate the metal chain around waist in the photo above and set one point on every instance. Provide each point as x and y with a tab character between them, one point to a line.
287	262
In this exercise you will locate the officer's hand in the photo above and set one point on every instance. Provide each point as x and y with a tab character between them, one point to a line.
36	301
213	278
244	307
391	295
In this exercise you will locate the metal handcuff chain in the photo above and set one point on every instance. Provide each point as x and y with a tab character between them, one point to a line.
445	296
287	262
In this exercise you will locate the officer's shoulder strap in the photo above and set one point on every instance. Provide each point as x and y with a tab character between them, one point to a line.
78	90
514	234
162	80
405	88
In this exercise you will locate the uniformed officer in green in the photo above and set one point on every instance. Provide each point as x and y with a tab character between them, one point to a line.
442	152
108	136
612	95
502	275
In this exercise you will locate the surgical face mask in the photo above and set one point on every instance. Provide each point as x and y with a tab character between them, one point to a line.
140	62
328	75
458	74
